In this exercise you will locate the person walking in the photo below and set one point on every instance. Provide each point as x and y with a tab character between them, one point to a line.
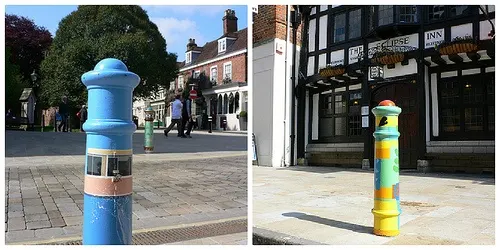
187	117
176	117
83	116
64	112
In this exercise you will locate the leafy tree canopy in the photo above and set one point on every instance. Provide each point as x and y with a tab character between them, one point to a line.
28	44
13	84
93	33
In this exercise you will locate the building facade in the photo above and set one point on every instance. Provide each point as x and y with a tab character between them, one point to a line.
219	70
435	62
272	83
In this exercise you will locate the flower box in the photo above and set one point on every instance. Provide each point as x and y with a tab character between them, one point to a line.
388	57
331	71
459	45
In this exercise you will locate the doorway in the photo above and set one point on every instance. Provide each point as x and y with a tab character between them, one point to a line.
404	95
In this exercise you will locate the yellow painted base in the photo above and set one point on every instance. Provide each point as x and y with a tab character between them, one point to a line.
386	232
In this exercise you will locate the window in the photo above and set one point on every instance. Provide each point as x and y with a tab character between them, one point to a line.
236	102
340	113
219	105
385	15
231	103
222	45
228	68
188	57
226	104
407	14
119	165
213	75
172	85
196	74
467	107
339	28
458	10
436	12
180	82
94	165
354	23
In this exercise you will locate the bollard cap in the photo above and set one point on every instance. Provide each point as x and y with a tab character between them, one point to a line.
387	103
110	72
110	64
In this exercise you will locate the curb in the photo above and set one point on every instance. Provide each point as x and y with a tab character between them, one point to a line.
267	237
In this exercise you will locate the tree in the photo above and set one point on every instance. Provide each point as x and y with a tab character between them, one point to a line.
93	33
13	84
28	44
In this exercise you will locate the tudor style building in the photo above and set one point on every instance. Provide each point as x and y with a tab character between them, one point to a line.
435	62
223	63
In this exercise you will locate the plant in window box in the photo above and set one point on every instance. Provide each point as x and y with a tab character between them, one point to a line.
243	115
226	80
465	44
213	82
332	70
386	56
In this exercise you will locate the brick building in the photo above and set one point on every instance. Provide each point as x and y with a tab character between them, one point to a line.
272	82
219	70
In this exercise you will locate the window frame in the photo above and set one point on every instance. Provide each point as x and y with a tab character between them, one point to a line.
216	73
325	113
226	73
188	57
222	45
462	133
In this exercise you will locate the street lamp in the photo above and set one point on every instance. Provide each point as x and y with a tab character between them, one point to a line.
34	77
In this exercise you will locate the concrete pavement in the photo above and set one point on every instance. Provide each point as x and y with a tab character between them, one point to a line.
326	205
203	180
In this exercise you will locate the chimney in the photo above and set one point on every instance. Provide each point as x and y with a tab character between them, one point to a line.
191	45
230	22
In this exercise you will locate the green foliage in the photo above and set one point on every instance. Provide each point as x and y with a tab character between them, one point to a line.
93	33
243	113
13	85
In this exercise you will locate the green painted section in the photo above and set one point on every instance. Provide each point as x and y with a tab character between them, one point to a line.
148	134
388	176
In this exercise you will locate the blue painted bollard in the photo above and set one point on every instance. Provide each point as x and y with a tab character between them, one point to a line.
107	214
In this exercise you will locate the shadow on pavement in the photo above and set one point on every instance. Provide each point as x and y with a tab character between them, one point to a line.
485	179
26	143
330	222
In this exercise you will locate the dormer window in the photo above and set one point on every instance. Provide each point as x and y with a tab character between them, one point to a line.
222	45
188	57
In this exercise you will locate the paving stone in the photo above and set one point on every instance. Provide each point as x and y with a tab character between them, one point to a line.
14	224
38	224
15	214
17	236
34	209
57	222
144	214
15	208
36	217
159	212
75	212
54	214
72	230
12	201
49	233
73	220
32	202
50	207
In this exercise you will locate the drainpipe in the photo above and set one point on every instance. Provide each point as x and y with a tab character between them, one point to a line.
295	19
286	82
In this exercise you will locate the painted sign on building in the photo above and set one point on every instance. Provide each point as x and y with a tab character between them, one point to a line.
400	41
433	38
337	57
354	53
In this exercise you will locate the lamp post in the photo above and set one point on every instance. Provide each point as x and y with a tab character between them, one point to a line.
295	20
34	78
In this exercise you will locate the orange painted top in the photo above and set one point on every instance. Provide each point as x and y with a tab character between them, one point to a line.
387	103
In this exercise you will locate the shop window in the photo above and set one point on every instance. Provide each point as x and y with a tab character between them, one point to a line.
231	103
340	114
466	106
385	15
236	102
226	104
219	105
339	28
354	24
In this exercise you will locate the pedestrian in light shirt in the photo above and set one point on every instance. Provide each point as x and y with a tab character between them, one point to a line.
176	117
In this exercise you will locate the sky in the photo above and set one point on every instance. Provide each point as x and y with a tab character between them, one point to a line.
176	23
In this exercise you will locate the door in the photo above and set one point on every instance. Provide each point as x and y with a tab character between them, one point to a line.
404	95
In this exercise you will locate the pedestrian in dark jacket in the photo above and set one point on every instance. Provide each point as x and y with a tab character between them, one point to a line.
64	112
83	116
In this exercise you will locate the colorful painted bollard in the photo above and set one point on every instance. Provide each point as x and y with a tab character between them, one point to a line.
107	214
387	208
149	130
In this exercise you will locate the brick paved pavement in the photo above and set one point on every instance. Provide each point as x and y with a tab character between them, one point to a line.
44	196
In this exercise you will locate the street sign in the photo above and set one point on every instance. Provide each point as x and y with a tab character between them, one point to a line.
193	94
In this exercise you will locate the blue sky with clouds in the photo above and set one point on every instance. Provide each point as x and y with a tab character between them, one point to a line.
176	23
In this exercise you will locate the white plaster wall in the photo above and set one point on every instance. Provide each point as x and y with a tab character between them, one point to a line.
427	104
280	103
315	104
263	64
